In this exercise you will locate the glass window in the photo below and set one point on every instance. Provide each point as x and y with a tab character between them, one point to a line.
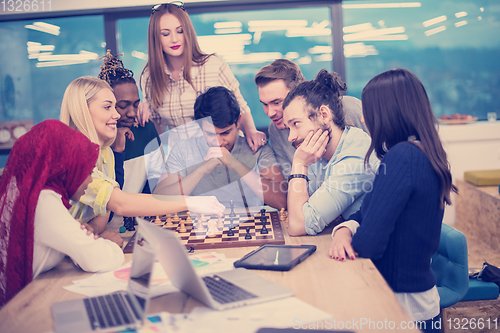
247	41
452	47
40	58
43	57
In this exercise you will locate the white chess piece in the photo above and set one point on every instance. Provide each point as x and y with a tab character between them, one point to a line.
199	223
182	226
169	223
212	228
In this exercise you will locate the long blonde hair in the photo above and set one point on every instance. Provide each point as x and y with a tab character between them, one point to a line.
75	108
158	82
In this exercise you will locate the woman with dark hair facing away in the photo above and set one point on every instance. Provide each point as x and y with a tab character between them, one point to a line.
178	71
47	167
89	106
399	223
139	159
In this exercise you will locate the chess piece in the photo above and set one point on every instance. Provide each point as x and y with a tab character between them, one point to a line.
124	223
158	221
263	217
176	218
232	213
282	215
264	230
231	224
263	220
128	222
188	218
199	223
169	223
182	226
220	224
248	236
231	232
212	229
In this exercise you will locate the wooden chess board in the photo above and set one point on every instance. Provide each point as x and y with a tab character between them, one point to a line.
200	240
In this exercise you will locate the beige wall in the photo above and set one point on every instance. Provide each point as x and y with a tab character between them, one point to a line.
474	146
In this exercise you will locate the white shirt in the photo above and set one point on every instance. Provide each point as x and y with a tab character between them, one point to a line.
58	234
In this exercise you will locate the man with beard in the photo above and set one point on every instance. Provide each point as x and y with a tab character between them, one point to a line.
221	163
273	82
313	112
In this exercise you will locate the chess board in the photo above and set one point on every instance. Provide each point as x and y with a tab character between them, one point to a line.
200	240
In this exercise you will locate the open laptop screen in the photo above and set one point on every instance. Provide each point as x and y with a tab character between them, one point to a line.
141	271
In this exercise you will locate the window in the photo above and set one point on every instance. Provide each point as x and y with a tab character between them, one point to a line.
247	40
452	47
40	58
43	57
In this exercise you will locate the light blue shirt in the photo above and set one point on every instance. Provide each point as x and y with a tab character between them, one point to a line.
284	150
225	184
345	179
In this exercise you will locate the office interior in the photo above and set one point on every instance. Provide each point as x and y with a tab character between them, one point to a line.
452	47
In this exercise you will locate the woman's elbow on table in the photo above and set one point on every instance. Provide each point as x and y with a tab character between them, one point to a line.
106	259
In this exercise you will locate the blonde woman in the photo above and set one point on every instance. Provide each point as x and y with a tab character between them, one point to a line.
178	71
89	107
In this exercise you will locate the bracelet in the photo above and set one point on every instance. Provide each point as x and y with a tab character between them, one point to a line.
298	175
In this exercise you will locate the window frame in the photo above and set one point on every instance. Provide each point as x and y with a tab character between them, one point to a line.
112	15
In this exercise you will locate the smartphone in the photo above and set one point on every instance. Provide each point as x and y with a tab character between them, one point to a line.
276	257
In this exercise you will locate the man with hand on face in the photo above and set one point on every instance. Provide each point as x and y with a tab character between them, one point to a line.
221	163
274	81
314	115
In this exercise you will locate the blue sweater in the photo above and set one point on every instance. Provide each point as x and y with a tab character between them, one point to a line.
400	219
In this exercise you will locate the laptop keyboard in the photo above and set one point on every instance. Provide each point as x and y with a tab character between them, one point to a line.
224	291
109	311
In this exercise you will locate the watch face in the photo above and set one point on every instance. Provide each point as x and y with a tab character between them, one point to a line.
4	135
18	131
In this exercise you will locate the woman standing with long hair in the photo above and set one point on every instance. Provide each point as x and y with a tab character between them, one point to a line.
178	71
400	219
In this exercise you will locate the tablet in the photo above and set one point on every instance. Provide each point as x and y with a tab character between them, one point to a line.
276	257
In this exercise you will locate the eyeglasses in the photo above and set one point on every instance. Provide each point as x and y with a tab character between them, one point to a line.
157	7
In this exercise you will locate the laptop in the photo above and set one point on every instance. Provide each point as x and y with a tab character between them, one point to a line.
121	310
224	290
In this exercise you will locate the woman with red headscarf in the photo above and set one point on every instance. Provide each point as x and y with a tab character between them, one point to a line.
47	167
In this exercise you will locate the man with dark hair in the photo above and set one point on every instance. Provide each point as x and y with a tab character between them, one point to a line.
221	163
274	81
317	130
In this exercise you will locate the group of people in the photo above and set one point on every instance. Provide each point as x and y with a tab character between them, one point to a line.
377	168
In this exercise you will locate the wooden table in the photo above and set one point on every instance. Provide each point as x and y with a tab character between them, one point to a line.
351	292
478	212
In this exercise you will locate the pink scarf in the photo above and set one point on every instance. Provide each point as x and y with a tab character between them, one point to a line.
50	156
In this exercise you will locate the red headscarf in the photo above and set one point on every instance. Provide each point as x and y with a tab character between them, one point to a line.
50	156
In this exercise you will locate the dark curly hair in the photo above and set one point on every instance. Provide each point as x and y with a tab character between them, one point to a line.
327	89
114	72
220	104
